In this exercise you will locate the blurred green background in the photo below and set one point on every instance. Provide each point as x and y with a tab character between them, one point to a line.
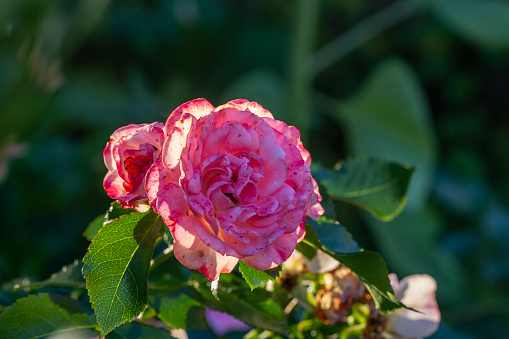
422	82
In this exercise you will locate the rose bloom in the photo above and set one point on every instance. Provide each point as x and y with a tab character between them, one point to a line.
128	155
232	183
418	292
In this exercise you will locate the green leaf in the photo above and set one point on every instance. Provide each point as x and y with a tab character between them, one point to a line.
368	266
37	316
114	212
116	267
266	314
69	277
482	22
333	236
254	278
376	185
182	312
139	330
389	118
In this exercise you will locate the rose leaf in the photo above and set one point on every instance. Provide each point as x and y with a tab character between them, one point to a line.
254	278
376	185
114	212
116	267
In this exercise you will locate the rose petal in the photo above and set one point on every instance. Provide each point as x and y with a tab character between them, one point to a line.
276	253
243	104
275	167
205	260
197	108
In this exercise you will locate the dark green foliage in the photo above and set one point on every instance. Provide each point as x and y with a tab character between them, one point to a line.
37	315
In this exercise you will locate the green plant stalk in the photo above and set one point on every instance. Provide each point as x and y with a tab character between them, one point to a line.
300	82
161	258
360	34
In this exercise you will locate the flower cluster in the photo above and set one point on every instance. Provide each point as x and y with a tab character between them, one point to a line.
230	182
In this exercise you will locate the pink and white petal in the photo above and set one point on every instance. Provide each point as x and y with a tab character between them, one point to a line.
157	176
126	130
251	243
114	185
275	254
170	204
205	260
207	235
176	141
238	139
275	167
197	107
253	107
109	159
294	219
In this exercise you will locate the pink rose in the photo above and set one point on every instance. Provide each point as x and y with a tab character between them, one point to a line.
128	155
418	292
232	183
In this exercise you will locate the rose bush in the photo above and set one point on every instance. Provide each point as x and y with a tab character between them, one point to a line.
232	183
128	155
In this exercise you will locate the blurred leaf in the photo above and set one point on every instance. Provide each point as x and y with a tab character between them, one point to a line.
181	312
114	212
480	21
332	235
267	314
409	243
254	278
389	118
368	266
69	277
36	316
377	185
139	330
116	267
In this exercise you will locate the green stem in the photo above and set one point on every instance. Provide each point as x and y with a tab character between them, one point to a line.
300	81
360	34
165	255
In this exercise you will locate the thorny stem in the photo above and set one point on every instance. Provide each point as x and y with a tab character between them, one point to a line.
360	34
